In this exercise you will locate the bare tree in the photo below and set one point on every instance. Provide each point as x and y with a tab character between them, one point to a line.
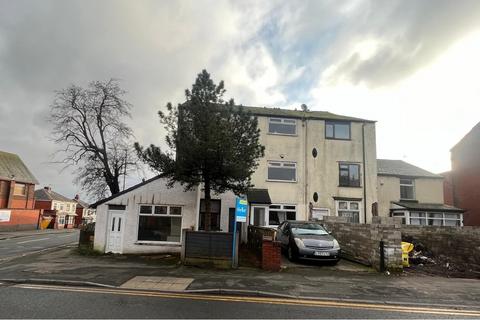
89	125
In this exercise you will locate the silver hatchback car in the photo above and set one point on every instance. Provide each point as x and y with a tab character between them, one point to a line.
307	240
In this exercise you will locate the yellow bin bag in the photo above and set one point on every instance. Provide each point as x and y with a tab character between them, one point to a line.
406	248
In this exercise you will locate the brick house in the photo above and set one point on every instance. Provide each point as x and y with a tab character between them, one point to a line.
462	184
60	209
17	203
85	214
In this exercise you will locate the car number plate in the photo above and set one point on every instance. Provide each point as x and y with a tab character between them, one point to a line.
320	253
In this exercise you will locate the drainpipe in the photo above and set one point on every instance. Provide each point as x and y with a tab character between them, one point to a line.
305	170
364	176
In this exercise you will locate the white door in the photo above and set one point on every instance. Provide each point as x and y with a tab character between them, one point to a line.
115	231
259	216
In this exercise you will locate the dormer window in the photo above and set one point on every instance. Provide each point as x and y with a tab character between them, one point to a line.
282	126
407	189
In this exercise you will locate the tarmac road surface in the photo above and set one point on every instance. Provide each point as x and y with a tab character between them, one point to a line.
46	301
26	244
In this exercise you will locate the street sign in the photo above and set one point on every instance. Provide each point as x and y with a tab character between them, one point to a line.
241	209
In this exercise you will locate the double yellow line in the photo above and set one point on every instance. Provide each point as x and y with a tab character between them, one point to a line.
263	300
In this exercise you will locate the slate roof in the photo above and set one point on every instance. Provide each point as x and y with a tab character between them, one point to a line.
287	113
401	168
12	167
48	195
431	207
99	202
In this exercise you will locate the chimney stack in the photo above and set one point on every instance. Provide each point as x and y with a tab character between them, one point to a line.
48	188
77	197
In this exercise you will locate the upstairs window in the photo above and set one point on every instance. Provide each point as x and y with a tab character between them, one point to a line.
407	189
282	171
20	189
337	130
282	126
349	175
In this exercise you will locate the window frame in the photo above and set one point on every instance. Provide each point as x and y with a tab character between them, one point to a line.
282	164
282	121
349	209
408	185
284	208
426	217
349	164
337	122
219	201
159	215
25	187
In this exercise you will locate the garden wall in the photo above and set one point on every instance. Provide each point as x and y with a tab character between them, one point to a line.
459	245
361	242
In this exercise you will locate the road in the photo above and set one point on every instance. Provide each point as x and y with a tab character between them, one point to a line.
14	247
45	301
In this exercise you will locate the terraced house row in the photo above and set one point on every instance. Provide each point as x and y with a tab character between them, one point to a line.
316	164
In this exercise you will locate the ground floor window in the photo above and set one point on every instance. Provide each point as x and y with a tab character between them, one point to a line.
70	220
160	223
277	213
61	219
215	213
423	218
319	213
349	210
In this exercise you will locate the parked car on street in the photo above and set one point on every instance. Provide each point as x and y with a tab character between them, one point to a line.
307	240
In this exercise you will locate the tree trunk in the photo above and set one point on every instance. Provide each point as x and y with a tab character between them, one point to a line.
112	183
208	207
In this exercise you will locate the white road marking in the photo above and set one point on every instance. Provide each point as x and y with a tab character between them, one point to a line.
69	235
33	240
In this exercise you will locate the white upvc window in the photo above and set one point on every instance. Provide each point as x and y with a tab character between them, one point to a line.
282	171
277	213
349	209
423	218
282	126
61	220
319	213
162	223
407	189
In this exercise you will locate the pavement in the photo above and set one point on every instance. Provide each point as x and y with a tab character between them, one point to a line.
346	281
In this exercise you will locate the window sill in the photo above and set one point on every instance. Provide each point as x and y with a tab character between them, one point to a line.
282	134
350	187
284	181
158	243
338	139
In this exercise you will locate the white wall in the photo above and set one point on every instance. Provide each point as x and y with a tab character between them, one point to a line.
322	172
154	193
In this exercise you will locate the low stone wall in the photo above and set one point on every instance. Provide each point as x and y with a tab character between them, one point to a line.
460	245
361	242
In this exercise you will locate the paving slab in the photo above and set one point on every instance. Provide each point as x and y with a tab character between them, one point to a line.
158	283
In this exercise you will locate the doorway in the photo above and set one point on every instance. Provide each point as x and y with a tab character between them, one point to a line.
115	231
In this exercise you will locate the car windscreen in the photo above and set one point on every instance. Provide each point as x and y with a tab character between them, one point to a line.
308	229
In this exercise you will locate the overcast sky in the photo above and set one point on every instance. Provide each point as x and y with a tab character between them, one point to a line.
413	66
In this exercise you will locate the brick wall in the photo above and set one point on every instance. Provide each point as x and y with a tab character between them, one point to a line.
461	245
271	255
21	220
361	242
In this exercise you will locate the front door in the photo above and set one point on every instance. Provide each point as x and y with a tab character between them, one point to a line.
258	216
115	231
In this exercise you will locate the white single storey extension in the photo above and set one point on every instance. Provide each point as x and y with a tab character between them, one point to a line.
149	217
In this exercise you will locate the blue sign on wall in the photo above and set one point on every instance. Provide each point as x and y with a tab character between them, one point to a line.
241	209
